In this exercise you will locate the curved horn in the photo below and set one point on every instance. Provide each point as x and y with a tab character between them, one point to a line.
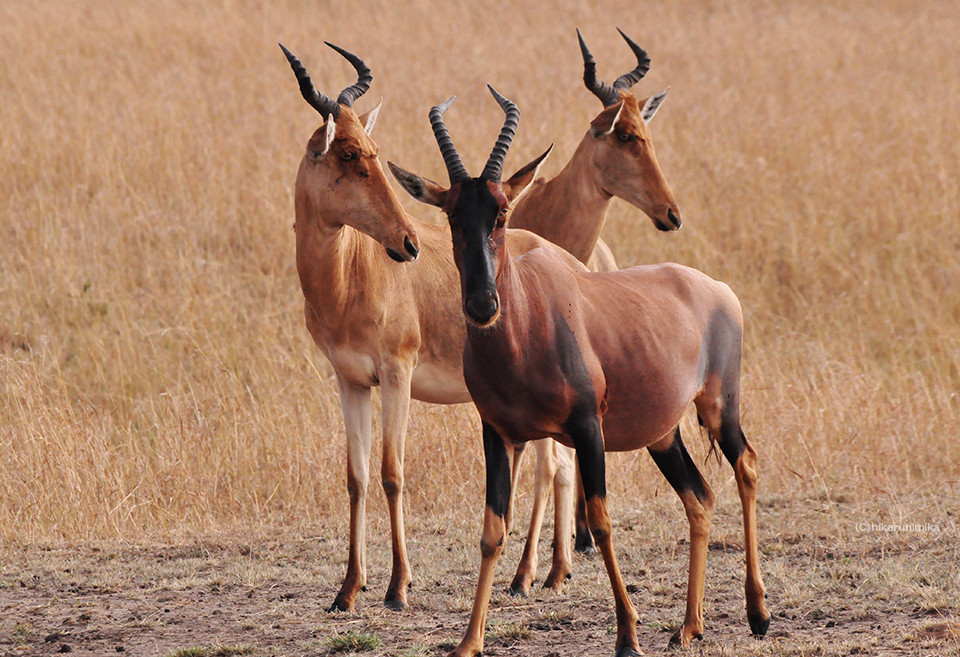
451	159
495	163
607	94
627	80
326	106
364	77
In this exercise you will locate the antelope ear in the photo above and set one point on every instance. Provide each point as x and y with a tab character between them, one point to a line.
520	181
368	119
606	120
422	189
652	104
319	144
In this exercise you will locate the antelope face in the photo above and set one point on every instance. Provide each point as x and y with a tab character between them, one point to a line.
342	179
477	212
626	164
476	209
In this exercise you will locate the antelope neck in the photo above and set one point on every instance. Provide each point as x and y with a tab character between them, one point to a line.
569	210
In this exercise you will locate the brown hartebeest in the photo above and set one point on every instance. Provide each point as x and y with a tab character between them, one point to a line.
614	158
598	361
378	321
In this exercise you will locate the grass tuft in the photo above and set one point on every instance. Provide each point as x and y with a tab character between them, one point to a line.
353	642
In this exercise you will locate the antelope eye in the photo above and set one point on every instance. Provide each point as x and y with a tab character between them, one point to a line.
347	156
623	136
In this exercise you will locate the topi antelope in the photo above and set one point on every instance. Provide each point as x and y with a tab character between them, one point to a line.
352	237
614	158
597	361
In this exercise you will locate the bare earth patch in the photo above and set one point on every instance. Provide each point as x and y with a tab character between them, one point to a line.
831	592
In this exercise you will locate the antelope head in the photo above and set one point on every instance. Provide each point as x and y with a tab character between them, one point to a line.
476	209
623	157
340	180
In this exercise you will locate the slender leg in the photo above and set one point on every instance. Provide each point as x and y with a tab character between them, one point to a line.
584	539
675	463
545	471
395	393
355	403
491	543
743	458
518	452
564	490
587	438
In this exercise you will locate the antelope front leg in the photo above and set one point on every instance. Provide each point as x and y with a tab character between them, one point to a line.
676	465
587	438
518	452
491	543
395	395
545	472
355	404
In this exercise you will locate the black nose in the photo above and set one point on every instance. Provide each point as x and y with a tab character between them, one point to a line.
674	217
393	254
411	249
481	307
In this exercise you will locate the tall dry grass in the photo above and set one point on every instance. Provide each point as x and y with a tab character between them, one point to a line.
155	374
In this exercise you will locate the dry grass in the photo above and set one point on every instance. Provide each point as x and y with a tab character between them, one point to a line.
155	375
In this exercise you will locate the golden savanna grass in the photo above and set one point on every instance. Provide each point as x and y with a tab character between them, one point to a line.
155	374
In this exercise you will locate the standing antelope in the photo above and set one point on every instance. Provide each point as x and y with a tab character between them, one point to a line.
597	361
378	321
344	207
614	158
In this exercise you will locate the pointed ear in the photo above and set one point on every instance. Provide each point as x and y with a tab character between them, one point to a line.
320	142
520	181
368	119
422	189
652	104
606	120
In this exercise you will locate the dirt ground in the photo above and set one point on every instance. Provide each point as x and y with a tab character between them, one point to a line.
836	586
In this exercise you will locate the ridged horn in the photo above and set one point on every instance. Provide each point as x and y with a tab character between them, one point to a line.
326	106
607	94
451	158
364	77
495	164
629	79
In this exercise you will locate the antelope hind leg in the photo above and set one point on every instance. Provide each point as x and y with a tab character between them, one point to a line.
675	463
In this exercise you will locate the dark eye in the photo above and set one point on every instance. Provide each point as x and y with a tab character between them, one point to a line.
623	136
347	156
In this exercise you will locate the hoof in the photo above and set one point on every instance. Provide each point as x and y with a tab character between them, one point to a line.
676	641
340	605
518	592
584	542
395	605
555	581
759	625
627	651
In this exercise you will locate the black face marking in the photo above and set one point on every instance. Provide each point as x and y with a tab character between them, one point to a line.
583	424
498	471
679	469
473	217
